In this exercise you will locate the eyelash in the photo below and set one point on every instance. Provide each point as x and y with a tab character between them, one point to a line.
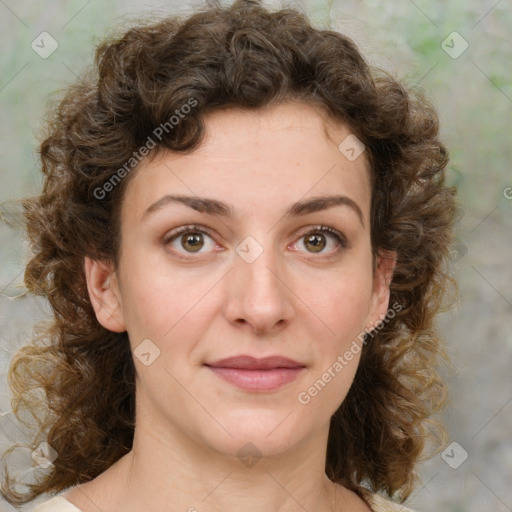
321	228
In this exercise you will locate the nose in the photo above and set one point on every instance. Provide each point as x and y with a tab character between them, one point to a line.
258	294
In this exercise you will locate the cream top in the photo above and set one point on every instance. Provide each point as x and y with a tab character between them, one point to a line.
376	502
57	504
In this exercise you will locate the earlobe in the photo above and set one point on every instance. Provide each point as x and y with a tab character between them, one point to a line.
104	294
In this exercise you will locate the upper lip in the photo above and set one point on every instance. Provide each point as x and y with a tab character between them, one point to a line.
252	363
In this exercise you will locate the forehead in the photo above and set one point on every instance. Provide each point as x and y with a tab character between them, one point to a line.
272	131
268	157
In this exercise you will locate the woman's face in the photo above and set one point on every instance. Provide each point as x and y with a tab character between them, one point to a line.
255	276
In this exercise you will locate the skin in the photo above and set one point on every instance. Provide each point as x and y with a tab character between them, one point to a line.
291	301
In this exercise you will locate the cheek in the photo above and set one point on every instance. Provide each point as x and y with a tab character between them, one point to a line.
344	308
158	303
344	301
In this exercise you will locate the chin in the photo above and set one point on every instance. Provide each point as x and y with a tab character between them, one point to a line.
257	432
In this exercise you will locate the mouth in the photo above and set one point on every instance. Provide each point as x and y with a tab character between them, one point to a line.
257	375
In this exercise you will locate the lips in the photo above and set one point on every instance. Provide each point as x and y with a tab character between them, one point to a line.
257	375
251	363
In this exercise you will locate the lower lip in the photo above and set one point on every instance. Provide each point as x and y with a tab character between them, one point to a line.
258	380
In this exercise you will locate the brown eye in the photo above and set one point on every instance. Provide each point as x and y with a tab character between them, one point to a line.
315	242
192	241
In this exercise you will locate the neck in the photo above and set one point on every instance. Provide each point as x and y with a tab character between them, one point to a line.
180	475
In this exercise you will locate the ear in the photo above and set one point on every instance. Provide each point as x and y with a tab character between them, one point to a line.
382	277
104	293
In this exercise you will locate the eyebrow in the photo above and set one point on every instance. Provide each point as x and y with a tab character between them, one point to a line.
215	207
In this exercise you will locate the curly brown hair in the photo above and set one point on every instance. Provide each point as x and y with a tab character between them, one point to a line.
248	57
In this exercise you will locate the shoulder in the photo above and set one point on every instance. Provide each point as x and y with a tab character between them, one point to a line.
380	504
56	504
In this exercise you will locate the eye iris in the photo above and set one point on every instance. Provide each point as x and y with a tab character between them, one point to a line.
194	240
317	241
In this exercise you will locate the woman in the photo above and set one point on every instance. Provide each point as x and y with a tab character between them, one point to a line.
242	234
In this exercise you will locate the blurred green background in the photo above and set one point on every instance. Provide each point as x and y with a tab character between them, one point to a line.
459	52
